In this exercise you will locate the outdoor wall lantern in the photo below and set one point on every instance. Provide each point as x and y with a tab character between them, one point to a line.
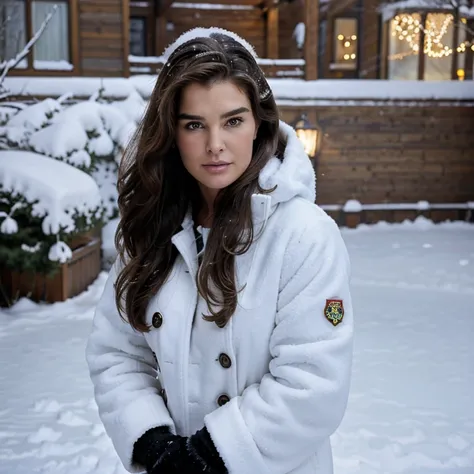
309	134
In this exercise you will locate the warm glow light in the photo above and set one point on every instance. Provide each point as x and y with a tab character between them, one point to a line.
353	56
463	20
436	30
353	37
347	44
309	139
460	73
346	57
340	37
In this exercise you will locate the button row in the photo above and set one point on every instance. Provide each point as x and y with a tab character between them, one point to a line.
224	360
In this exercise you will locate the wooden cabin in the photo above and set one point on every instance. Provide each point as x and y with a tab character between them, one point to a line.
366	39
374	150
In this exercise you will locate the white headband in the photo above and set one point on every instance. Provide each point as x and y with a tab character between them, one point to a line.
206	33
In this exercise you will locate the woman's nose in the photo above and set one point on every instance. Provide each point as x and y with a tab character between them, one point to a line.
215	144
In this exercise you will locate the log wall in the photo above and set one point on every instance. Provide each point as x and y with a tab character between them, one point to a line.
390	153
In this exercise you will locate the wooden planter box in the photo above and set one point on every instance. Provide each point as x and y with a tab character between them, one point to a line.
71	279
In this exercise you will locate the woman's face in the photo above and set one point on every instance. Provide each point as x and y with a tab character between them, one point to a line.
214	134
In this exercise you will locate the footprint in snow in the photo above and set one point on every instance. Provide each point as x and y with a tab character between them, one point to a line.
44	434
69	418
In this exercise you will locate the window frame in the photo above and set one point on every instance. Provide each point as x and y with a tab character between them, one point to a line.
73	40
386	38
335	67
145	10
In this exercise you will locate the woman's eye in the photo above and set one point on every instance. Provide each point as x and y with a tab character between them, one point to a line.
235	122
193	126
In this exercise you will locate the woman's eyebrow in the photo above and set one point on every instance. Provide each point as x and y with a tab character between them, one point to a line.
240	110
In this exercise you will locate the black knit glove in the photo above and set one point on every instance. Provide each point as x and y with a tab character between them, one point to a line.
201	449
194	455
152	446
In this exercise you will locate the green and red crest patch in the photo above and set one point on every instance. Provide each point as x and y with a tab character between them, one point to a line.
334	311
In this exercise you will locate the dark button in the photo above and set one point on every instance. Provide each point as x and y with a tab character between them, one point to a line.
164	396
225	361
223	399
157	320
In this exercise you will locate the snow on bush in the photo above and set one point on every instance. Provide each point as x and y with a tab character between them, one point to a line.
89	135
35	116
44	204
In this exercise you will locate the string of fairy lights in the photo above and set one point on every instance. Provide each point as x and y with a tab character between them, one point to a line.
407	28
348	42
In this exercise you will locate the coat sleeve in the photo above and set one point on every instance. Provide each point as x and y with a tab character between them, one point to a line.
123	372
276	425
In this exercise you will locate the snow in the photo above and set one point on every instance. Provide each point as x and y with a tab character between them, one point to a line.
281	62
389	10
9	225
371	89
60	252
410	409
61	140
80	86
299	34
35	116
53	65
211	6
57	189
352	205
285	90
108	242
105	175
6	113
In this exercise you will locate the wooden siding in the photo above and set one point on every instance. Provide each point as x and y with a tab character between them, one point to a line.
250	24
402	154
103	37
290	14
369	40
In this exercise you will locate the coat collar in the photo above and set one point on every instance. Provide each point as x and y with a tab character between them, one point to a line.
185	242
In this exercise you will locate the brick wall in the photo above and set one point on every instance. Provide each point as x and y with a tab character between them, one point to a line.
384	153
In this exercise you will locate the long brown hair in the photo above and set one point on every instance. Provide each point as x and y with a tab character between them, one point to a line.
156	191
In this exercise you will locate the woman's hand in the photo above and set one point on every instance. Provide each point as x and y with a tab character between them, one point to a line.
194	455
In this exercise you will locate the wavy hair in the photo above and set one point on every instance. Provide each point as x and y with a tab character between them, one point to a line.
156	191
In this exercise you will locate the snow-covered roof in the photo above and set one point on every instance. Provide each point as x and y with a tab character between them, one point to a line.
287	89
388	10
60	190
350	89
80	86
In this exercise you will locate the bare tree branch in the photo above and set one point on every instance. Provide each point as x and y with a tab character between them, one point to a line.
11	63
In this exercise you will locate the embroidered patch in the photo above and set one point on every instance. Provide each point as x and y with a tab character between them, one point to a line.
334	311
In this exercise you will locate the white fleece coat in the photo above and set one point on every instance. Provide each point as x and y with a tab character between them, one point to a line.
288	381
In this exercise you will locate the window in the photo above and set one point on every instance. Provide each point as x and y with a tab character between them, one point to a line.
52	50
12	31
138	36
345	44
404	44
433	34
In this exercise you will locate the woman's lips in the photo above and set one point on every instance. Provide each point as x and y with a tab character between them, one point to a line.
217	168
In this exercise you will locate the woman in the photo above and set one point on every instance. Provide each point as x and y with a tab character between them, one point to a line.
223	340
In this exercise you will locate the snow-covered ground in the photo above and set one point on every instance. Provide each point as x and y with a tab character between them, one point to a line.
410	409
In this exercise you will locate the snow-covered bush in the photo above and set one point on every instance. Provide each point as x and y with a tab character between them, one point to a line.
44	204
89	135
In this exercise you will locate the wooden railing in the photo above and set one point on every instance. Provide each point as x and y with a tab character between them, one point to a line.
71	279
273	68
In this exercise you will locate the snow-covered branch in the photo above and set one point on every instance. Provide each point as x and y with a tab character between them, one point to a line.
9	64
